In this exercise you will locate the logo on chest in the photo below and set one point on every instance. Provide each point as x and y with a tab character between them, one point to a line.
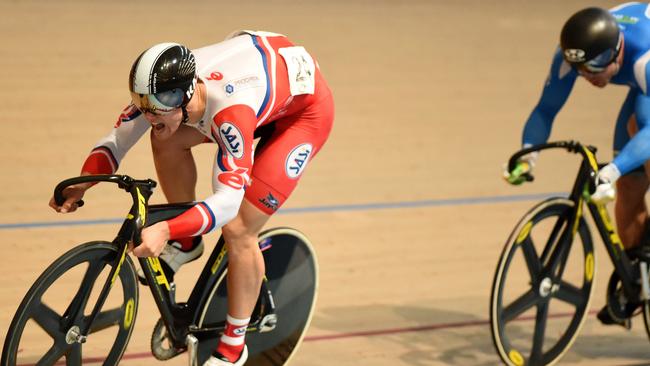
246	82
232	139
297	160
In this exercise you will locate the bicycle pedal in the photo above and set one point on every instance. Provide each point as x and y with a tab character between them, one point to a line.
607	317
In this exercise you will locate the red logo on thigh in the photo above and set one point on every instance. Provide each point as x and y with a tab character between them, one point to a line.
234	179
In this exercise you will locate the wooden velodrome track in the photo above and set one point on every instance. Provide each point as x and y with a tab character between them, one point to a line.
405	204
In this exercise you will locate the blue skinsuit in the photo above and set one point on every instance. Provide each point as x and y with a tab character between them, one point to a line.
634	20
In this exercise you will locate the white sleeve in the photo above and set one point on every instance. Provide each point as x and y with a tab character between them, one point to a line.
128	130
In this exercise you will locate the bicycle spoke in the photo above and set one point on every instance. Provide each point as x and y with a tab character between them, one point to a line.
560	252
564	257
552	239
533	263
48	320
81	298
52	355
570	294
540	331
73	357
106	319
519	306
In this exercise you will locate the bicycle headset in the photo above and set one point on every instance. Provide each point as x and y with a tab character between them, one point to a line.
163	78
591	39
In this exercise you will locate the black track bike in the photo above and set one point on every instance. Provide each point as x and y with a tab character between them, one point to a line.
93	323
544	278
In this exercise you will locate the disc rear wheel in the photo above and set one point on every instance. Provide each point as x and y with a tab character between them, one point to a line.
292	273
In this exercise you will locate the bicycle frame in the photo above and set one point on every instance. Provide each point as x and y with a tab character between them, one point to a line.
179	318
555	258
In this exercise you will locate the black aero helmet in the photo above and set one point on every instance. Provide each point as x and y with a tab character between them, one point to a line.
163	78
591	37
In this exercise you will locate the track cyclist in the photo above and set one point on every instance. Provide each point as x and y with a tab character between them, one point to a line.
605	47
253	84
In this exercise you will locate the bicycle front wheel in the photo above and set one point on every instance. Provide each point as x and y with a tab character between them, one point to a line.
292	273
542	286
59	304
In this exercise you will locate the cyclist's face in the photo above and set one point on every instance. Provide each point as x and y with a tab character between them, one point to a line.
600	79
164	125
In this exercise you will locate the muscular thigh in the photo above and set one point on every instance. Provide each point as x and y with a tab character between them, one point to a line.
631	188
282	157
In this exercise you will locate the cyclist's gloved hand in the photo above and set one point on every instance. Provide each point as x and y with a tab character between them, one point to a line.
605	180
524	168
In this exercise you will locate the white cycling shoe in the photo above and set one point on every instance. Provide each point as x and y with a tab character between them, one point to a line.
218	360
172	258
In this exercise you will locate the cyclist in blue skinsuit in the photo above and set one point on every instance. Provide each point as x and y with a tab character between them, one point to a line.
605	47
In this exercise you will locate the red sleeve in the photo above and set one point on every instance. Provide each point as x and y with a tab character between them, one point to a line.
100	161
233	128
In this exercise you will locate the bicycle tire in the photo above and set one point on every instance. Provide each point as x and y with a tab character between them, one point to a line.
97	255
292	272
542	290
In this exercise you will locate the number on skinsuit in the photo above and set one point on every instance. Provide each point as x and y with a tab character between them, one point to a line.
301	69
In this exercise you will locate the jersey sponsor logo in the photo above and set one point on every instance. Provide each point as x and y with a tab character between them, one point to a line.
270	202
232	139
234	179
297	160
247	82
215	76
626	19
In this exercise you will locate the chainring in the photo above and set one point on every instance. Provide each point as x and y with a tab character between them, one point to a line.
620	308
161	344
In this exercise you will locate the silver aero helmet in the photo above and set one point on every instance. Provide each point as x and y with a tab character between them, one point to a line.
591	39
163	78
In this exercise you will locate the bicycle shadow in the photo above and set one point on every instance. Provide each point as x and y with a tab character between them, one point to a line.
426	336
423	335
617	343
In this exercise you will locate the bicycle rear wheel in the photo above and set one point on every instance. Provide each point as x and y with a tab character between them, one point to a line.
44	324
292	273
528	286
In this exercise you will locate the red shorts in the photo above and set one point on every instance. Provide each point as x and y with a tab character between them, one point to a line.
285	148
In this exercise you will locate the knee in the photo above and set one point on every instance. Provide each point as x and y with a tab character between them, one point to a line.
239	236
